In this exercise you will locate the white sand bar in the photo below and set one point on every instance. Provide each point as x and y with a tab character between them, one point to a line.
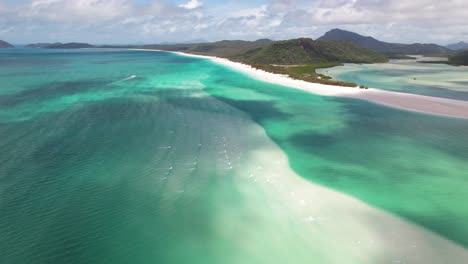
411	102
417	103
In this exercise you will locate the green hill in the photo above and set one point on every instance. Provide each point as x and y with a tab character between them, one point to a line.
459	58
384	47
299	58
307	51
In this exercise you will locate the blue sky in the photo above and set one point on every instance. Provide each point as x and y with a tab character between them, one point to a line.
154	21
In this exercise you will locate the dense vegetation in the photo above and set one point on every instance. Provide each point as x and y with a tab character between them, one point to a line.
384	47
305	72
307	51
459	58
299	58
4	44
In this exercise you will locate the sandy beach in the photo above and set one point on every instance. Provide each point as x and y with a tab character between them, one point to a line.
410	102
416	103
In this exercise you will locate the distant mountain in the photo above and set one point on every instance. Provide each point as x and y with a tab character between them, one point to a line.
4	45
42	45
384	47
458	46
72	45
460	58
306	51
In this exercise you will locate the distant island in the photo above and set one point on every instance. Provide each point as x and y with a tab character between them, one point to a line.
384	47
458	46
71	45
59	45
41	45
5	45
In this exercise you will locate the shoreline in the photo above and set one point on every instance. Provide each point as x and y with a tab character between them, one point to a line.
404	101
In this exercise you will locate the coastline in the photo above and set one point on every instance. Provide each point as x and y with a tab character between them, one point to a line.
404	101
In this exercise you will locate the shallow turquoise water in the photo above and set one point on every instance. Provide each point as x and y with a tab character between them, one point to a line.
407	76
407	163
129	156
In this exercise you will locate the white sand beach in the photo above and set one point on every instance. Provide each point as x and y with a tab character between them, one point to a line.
417	103
411	102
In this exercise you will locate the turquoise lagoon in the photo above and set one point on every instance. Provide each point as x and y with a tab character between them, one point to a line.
114	156
408	76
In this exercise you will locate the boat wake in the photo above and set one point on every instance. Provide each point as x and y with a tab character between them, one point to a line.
125	79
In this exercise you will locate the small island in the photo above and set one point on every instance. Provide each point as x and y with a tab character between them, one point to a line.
5	45
60	45
71	45
41	45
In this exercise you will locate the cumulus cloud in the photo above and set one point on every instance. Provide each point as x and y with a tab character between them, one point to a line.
192	4
400	20
77	10
118	21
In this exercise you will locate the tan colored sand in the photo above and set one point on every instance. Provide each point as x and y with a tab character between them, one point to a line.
417	103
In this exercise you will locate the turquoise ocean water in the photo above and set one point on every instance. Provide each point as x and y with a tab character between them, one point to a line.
134	157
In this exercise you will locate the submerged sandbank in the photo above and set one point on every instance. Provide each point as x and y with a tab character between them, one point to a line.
334	227
410	102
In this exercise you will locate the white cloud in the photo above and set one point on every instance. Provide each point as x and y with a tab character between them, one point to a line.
255	11
127	21
192	4
77	10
